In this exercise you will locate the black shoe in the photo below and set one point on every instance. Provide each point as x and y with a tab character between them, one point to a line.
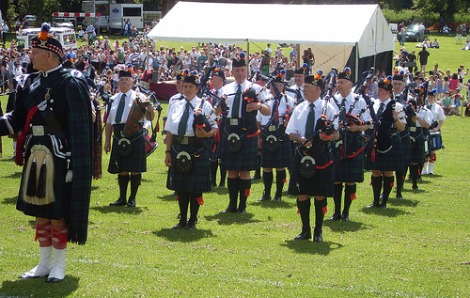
241	211
230	210
131	203
383	205
221	185
305	235
53	280
318	238
265	198
119	202
277	199
399	196
373	205
415	187
335	217
191	225
179	225
345	217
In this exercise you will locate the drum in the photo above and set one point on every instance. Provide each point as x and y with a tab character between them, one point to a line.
150	144
435	140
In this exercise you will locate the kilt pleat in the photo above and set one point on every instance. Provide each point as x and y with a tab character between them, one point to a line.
350	169
405	148
417	148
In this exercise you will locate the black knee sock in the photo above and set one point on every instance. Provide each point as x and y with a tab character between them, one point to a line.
400	179
223	174
337	193
387	188
376	188
183	202
280	180
135	183
349	196
320	210
268	182
245	187
123	181
414	175
233	185
304	210
194	206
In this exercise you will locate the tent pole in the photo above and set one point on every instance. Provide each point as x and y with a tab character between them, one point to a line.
247	58
356	67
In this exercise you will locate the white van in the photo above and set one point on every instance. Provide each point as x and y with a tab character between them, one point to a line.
118	13
66	36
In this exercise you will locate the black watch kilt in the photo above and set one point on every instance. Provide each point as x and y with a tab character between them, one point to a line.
136	161
350	169
198	179
279	158
246	159
321	184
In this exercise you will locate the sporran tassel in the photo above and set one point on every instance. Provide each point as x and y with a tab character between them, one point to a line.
41	189
31	188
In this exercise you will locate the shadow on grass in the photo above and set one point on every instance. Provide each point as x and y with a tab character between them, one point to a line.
169	197
433	176
16	175
10	201
273	204
37	287
119	209
341	226
232	218
183	235
309	247
389	212
403	202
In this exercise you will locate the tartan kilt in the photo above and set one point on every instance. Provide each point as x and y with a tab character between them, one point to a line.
405	148
417	148
199	178
281	158
321	184
246	159
62	191
136	162
391	160
349	169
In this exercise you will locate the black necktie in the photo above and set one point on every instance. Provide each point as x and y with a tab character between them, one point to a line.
298	95
120	109
183	121
381	109
310	122
342	115
236	103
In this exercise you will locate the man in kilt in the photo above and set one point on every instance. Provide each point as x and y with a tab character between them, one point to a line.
239	142
54	120
349	166
276	147
187	150
311	129
296	92
400	93
419	123
128	154
391	120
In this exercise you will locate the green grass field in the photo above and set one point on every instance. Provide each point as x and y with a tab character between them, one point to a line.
417	247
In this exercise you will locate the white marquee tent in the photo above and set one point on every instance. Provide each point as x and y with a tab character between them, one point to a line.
357	36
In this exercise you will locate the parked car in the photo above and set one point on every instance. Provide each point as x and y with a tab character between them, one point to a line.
411	33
